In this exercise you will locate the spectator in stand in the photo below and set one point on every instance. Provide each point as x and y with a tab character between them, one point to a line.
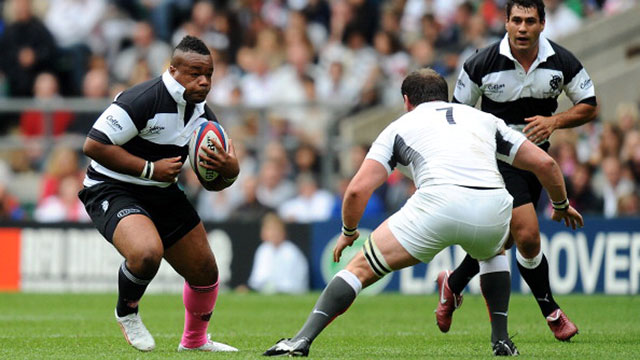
311	204
613	184
278	266
63	206
10	208
581	195
273	187
251	209
629	205
393	63
306	160
27	49
63	162
39	122
609	146
95	87
146	52
560	20
374	209
202	25
72	23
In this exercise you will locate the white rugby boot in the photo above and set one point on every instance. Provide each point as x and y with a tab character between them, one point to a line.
135	332
210	346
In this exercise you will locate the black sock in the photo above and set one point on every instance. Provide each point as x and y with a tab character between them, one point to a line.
130	290
496	289
538	281
461	276
334	300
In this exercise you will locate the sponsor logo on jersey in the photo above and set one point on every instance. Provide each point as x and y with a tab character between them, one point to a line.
105	205
494	88
460	84
585	84
152	130
113	123
124	212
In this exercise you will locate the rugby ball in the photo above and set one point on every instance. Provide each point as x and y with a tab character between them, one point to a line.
206	134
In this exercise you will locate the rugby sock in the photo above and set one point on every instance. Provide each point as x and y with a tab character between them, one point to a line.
334	300
495	283
199	302
130	290
536	273
461	276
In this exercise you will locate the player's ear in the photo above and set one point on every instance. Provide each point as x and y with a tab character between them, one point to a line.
407	104
172	69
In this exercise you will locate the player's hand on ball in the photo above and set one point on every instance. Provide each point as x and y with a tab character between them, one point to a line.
342	243
167	170
571	217
223	162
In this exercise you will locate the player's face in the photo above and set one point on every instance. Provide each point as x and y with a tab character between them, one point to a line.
193	71
524	28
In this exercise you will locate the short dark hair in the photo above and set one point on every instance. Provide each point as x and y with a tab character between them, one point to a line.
538	4
425	85
193	44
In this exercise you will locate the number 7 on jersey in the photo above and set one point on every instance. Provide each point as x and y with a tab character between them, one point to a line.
449	114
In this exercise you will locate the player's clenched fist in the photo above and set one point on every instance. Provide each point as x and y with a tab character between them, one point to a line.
167	170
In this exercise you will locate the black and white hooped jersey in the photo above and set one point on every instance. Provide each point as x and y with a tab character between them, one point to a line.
512	94
150	120
447	143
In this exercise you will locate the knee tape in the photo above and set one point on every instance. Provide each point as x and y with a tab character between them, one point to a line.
375	259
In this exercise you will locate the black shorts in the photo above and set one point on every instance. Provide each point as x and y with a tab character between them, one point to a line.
168	208
522	185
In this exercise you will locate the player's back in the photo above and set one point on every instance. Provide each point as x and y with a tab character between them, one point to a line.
446	143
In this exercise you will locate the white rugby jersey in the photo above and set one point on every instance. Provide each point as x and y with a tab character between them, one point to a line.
446	143
148	120
512	94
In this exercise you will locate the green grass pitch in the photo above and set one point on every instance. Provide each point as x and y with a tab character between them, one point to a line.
389	326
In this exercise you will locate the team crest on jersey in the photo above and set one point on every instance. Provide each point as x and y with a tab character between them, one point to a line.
460	84
555	82
105	205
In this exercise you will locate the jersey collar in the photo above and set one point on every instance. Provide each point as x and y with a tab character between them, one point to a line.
177	91
544	49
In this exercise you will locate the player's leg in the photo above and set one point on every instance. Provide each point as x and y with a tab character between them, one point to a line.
534	269
137	239
495	283
381	254
191	257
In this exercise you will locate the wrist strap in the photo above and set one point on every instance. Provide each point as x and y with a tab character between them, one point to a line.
347	231
560	205
147	171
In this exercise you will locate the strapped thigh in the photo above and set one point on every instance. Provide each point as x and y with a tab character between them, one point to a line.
374	258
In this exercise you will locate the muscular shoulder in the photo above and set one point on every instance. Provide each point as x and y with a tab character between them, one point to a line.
144	100
485	61
564	60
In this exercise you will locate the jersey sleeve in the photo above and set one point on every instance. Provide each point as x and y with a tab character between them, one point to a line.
580	89
466	90
116	124
382	149
508	141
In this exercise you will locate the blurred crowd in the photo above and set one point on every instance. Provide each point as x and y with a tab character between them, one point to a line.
302	59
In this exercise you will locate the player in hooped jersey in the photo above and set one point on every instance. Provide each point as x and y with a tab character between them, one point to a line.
450	151
519	80
137	147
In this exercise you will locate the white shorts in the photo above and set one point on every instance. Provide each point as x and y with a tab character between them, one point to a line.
440	216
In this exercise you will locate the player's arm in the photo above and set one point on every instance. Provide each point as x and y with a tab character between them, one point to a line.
530	157
369	177
466	90
540	128
113	128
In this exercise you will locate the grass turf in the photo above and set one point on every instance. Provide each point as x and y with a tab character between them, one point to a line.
81	326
